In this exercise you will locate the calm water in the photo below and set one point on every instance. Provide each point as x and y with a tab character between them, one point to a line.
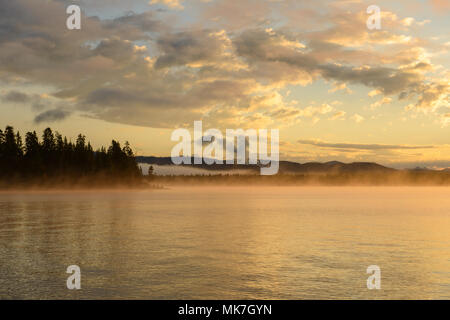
227	243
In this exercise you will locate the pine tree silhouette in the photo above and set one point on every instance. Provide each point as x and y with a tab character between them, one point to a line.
56	156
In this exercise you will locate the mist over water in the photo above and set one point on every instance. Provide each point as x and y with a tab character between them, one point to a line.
227	243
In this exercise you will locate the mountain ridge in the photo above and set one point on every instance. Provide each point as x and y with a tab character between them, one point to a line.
285	166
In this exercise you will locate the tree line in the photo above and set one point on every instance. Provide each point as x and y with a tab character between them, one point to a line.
55	156
394	178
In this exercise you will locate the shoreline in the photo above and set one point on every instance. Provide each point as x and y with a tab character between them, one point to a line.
180	186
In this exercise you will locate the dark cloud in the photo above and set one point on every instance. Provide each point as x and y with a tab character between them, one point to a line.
145	22
34	100
109	96
356	146
51	116
194	47
387	80
16	96
267	50
115	49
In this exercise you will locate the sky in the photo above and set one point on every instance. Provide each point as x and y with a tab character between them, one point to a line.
138	69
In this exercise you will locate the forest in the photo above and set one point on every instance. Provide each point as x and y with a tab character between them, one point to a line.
52	160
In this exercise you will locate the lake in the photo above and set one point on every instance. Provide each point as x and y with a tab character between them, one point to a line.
227	243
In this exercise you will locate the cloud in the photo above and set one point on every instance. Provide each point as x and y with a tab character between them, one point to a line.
338	115
357	146
381	102
143	69
174	4
341	86
194	48
312	111
265	50
16	96
357	118
51	116
37	102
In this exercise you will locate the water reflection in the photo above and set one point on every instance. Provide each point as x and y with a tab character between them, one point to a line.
227	243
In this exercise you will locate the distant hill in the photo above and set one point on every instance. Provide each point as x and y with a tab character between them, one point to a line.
288	167
332	166
161	161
